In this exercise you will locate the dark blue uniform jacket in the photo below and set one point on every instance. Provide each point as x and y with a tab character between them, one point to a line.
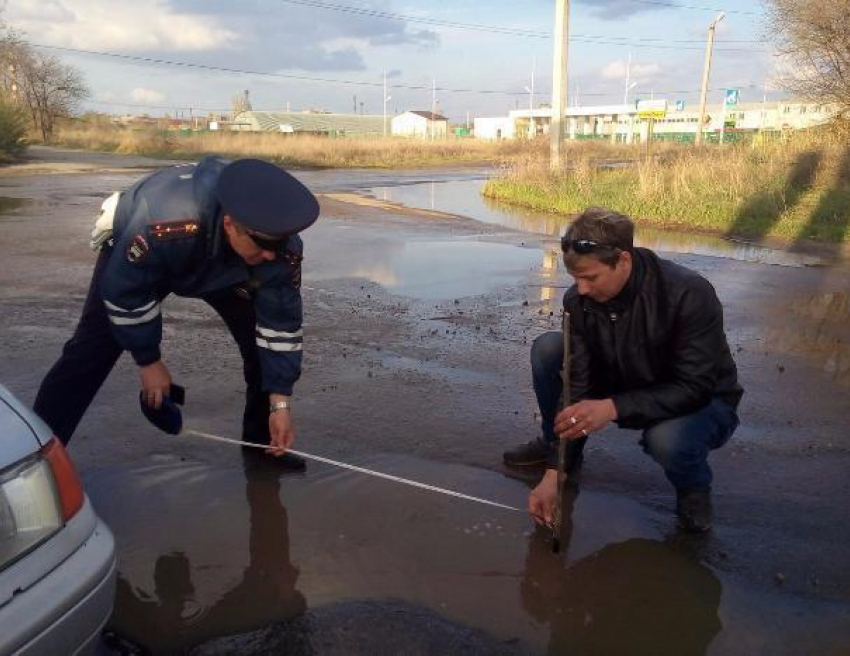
168	238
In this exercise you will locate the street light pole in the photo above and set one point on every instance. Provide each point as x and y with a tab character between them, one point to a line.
708	48
386	98
559	82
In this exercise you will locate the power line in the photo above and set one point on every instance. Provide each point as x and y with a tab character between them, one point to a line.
152	61
673	5
528	33
374	13
155	61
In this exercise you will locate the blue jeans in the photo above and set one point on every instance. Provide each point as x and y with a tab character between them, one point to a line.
680	445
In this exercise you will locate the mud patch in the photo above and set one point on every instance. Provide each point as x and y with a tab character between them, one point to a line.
363	627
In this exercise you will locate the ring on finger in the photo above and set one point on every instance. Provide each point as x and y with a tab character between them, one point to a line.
573	421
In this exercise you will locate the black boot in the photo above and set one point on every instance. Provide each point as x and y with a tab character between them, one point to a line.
693	508
534	452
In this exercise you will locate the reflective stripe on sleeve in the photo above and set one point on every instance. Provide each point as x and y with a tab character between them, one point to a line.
151	314
120	310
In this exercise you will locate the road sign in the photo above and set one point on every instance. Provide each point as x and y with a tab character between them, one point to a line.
651	108
732	96
680	105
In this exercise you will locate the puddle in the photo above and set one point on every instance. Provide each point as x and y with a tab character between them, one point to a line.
434	269
205	552
8	204
463	197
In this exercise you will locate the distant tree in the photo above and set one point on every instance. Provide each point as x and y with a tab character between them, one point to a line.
45	88
814	35
239	104
50	90
13	129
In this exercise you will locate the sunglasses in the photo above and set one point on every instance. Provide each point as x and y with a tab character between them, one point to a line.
585	246
267	243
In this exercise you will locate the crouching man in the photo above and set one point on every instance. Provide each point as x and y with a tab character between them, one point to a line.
648	352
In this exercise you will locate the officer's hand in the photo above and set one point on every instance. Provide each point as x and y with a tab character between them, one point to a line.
583	418
541	501
156	383
281	431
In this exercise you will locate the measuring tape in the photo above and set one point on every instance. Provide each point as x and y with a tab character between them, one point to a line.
362	470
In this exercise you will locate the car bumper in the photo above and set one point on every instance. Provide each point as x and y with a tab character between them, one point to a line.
64	612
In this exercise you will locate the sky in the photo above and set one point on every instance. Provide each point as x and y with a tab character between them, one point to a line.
332	55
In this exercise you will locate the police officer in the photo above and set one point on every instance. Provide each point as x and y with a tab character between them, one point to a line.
225	232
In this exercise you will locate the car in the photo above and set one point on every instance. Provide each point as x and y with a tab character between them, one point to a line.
57	558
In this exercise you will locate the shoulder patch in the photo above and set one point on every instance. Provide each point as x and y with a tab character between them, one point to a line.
138	249
170	230
294	260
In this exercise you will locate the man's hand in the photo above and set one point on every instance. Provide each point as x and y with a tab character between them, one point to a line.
583	418
281	430
541	501
156	383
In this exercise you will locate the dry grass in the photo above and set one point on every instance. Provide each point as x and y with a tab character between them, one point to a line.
299	150
788	189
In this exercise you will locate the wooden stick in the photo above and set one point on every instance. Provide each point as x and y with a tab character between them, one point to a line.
562	446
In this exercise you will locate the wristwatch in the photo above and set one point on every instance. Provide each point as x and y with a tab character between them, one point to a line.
279	405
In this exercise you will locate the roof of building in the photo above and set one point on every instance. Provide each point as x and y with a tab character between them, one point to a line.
431	116
312	122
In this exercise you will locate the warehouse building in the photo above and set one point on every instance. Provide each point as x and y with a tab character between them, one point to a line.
338	125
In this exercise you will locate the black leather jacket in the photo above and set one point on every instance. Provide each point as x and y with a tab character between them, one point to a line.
657	349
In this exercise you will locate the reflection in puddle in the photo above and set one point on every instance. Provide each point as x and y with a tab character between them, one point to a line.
206	551
638	596
436	269
463	197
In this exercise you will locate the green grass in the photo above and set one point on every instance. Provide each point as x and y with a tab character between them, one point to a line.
791	191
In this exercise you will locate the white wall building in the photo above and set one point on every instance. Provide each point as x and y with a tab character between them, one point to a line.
424	125
623	122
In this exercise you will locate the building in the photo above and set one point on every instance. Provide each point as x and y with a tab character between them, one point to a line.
425	125
628	123
347	125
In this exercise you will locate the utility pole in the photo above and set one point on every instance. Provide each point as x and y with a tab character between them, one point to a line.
386	98
628	75
531	94
433	108
708	48
559	82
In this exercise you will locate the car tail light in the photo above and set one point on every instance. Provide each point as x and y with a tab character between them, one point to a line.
37	496
67	481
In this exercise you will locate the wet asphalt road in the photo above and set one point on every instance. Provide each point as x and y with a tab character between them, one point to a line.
432	383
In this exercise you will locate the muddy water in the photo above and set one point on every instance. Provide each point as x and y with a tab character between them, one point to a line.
434	269
246	550
463	197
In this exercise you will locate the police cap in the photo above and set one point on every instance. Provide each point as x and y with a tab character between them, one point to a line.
264	198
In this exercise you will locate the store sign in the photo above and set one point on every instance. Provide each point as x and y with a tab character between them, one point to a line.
651	108
732	97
